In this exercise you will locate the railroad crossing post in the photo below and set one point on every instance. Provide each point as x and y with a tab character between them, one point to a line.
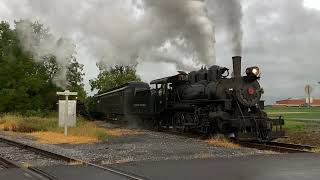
66	93
308	90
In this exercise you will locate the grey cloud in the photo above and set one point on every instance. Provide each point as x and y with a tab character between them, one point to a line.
280	36
112	33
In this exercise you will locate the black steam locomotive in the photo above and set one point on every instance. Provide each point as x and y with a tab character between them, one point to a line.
207	101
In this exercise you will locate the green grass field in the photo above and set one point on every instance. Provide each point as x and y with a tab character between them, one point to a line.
295	113
297	118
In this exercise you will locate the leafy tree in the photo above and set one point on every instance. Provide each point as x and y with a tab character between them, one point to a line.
110	77
51	65
75	79
25	84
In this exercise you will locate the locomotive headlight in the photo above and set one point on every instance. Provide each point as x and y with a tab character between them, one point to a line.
253	71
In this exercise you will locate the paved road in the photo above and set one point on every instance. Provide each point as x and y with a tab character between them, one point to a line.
267	167
62	173
262	167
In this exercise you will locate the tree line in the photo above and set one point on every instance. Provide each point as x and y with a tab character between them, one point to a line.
27	85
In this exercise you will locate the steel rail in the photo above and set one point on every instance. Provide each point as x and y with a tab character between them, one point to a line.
293	146
41	174
30	170
36	150
8	163
281	147
68	159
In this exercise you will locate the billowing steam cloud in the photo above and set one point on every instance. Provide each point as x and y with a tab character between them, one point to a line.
41	47
188	19
229	13
130	31
282	37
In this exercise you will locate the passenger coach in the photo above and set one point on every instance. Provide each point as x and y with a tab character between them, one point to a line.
131	99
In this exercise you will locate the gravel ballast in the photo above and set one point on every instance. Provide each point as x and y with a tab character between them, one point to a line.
155	146
145	146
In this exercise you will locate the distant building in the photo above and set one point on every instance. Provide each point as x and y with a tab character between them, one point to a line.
297	102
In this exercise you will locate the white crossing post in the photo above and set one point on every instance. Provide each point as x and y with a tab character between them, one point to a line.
66	116
66	93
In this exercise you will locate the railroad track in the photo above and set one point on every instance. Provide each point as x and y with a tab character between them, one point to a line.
26	156
271	146
14	162
280	147
7	164
29	171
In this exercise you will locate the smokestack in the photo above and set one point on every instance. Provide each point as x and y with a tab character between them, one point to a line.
236	67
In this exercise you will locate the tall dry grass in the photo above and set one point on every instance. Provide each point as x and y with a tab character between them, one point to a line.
221	141
17	123
40	125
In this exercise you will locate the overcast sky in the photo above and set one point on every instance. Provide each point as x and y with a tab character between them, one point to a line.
282	37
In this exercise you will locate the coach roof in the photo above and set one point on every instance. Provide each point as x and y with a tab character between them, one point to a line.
133	84
171	79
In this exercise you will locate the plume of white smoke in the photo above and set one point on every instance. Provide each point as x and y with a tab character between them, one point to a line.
40	47
124	31
186	18
229	14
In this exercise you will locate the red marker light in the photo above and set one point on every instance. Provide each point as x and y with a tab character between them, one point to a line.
251	91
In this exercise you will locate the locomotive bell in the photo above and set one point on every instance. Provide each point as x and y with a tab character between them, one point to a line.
236	67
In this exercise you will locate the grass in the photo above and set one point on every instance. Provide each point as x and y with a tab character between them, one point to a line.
317	150
293	126
47	129
297	119
221	141
295	113
18	123
60	138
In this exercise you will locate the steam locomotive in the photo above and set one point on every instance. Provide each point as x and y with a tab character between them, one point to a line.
205	101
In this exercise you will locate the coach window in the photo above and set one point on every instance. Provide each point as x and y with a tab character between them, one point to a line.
134	91
160	91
